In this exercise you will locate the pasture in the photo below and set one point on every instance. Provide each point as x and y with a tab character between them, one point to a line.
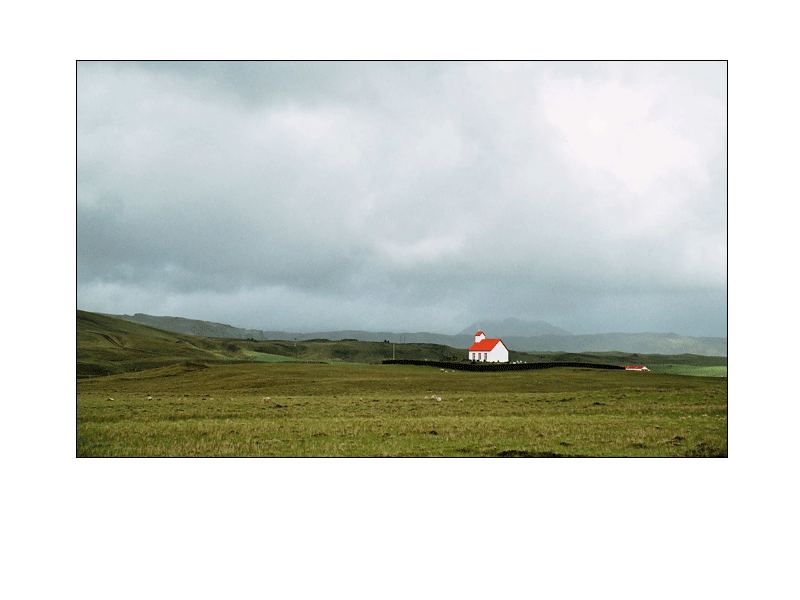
349	409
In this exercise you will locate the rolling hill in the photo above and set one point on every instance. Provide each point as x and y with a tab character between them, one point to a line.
515	333
512	327
107	345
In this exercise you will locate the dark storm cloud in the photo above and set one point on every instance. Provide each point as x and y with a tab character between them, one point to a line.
405	195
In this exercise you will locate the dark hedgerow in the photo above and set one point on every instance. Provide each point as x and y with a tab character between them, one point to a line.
476	366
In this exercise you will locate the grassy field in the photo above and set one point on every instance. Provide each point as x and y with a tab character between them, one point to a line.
297	409
692	370
146	392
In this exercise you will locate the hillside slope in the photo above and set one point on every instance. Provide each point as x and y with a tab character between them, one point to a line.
650	343
514	327
106	345
194	327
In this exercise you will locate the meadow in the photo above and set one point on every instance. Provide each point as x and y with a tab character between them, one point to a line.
296	409
147	392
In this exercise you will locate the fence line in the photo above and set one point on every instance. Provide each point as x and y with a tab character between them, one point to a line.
477	366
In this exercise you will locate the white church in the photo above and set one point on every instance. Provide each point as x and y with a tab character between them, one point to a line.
487	350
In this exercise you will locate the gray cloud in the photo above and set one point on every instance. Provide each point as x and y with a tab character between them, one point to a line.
405	195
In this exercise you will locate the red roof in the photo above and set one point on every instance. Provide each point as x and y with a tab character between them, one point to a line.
484	345
479	332
634	366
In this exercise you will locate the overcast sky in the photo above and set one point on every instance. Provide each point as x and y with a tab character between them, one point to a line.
405	196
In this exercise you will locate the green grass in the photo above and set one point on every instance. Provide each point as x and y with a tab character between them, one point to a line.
268	358
692	370
146	392
295	409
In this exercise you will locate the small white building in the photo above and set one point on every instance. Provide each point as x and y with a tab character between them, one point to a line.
636	368
487	350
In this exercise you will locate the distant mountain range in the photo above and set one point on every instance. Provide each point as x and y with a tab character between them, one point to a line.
524	336
512	327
